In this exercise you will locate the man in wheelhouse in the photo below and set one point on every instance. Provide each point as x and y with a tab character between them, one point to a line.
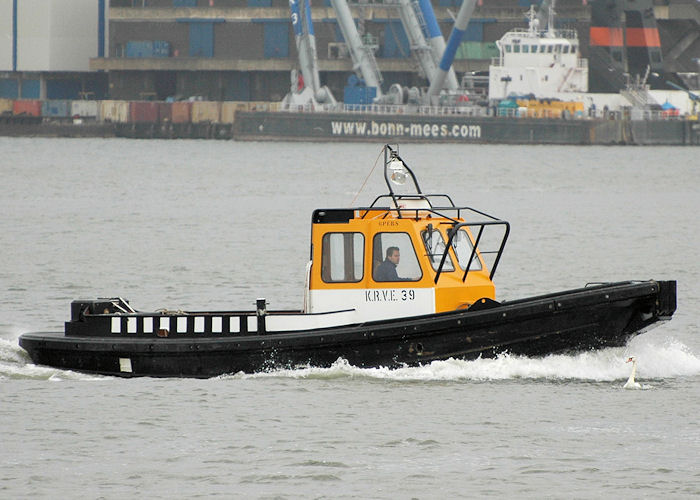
386	271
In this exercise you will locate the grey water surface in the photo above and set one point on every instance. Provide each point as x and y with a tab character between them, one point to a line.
214	225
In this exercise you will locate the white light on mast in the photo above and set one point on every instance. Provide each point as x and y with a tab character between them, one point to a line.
397	172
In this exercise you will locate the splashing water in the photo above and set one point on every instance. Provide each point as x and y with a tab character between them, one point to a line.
16	364
667	360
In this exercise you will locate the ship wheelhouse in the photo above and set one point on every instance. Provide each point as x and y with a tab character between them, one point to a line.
541	63
404	255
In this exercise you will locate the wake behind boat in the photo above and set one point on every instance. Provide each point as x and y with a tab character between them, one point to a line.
404	281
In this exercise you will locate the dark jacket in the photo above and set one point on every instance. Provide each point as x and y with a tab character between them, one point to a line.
386	271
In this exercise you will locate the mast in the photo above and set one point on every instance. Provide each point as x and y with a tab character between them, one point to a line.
545	15
460	26
419	45
362	56
306	44
436	40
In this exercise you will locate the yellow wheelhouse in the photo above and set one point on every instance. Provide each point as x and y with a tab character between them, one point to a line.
407	254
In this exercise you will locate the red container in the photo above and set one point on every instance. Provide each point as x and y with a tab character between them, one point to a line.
143	112
27	107
165	112
181	112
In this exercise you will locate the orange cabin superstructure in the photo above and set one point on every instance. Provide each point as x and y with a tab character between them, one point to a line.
407	258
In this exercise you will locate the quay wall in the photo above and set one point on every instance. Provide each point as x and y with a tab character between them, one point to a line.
263	121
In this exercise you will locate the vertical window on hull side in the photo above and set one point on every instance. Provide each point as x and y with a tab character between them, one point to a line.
342	259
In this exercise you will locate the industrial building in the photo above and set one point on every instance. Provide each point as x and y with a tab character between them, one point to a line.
244	50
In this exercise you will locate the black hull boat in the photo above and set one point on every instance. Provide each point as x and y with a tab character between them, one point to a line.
405	281
577	320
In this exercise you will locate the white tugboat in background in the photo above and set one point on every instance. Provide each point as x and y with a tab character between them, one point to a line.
544	63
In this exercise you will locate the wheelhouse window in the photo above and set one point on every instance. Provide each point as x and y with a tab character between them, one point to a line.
435	247
463	246
394	258
508	48
342	257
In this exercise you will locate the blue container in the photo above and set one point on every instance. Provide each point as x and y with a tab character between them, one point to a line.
9	88
56	109
161	48
139	49
370	94
184	3
359	94
30	89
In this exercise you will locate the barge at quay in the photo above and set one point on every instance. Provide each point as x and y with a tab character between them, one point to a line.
537	94
404	281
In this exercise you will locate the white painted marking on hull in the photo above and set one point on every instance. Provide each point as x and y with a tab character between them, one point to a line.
125	365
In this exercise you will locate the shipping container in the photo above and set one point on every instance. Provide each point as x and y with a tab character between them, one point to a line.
165	112
139	49
143	112
181	112
30	89
477	50
359	94
161	48
84	109
55	108
6	106
29	107
206	111
114	111
9	88
229	108
259	106
184	3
